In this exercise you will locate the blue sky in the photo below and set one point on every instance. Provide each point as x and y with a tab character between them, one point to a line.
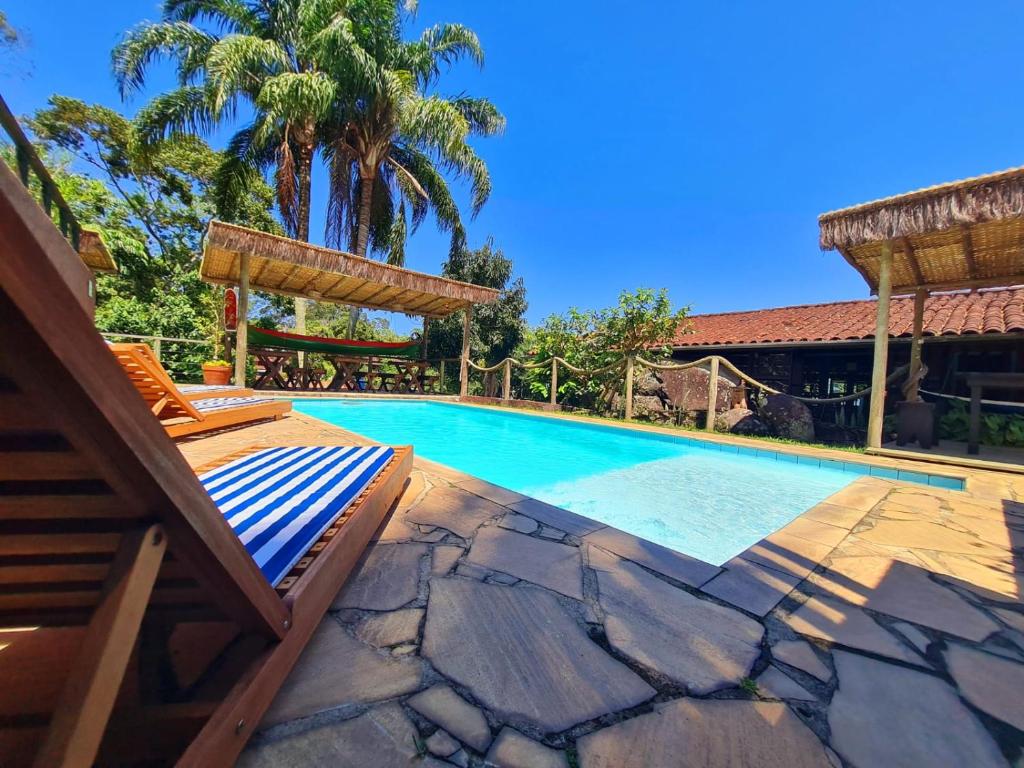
681	145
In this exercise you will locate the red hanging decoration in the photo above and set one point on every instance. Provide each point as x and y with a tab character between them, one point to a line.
230	309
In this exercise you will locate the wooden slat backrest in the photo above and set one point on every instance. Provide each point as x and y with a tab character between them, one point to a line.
53	354
151	381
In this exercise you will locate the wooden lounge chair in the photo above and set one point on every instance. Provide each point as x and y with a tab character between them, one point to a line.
141	362
184	414
135	627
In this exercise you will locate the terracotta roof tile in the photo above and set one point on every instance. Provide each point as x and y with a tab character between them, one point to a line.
945	314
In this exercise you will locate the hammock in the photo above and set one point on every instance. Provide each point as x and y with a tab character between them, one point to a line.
267	339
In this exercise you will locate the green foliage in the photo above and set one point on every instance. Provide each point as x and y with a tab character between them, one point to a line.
996	428
640	322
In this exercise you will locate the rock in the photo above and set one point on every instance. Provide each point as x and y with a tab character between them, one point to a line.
750	586
694	642
646	382
799	654
384	737
904	592
443	558
687	390
454	509
518	653
883	714
389	629
788	417
441	744
336	670
845	624
513	750
517	522
990	683
773	683
550	565
444	707
711	733
560	518
386	578
403	650
647	407
741	421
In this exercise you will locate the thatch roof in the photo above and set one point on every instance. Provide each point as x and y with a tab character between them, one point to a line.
94	252
967	233
292	268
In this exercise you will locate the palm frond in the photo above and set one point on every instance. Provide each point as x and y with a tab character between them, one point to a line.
225	15
289	95
148	43
483	117
242	64
176	113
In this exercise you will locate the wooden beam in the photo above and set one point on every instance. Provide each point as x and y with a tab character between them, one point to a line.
467	322
972	264
912	262
242	328
712	395
287	277
87	698
628	410
426	337
554	381
915	346
876	410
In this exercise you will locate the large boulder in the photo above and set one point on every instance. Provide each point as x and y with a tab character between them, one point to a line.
646	382
649	407
687	390
741	421
788	417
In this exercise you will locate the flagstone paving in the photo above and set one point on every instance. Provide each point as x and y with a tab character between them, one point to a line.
885	627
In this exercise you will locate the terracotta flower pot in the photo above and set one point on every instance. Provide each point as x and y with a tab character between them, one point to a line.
216	374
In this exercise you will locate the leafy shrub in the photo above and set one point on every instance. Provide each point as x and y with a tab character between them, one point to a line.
996	428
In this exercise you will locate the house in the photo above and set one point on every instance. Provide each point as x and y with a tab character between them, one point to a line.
824	350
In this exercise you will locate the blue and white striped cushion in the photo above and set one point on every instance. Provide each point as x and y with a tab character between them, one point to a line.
193	388
279	501
220	403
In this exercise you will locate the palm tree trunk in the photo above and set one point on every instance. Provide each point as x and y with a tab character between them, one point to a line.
362	237
305	187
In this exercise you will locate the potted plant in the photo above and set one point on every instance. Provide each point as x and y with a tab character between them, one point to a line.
216	372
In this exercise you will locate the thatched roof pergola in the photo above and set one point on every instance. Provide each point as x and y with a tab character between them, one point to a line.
94	252
248	258
964	234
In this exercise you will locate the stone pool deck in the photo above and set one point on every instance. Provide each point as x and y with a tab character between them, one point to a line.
883	627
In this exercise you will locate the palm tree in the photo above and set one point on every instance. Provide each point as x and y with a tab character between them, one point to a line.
391	135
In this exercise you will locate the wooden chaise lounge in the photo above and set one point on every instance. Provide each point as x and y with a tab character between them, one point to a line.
152	367
187	414
135	625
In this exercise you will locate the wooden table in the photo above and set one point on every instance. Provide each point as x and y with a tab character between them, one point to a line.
272	363
978	382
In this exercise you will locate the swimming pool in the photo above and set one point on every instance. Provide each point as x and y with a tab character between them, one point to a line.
697	497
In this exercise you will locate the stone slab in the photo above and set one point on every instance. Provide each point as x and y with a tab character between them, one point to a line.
443	558
845	624
444	707
799	654
991	683
518	653
336	670
1013	619
384	737
883	714
454	509
787	554
862	494
513	750
694	642
813	530
563	519
392	628
915	636
555	566
516	522
750	586
901	590
668	562
555	534
715	734
386	578
440	743
490	491
835	514
773	683
922	535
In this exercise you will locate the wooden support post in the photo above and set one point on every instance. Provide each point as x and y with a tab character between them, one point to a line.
876	411
467	321
554	381
506	381
242	329
629	387
300	326
442	387
88	696
915	345
712	395
156	349
426	337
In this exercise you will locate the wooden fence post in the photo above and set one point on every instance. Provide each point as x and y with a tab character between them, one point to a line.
442	377
712	395
467	324
506	382
629	387
156	348
554	381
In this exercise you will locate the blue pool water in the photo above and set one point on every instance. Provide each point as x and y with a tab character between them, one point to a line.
684	494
